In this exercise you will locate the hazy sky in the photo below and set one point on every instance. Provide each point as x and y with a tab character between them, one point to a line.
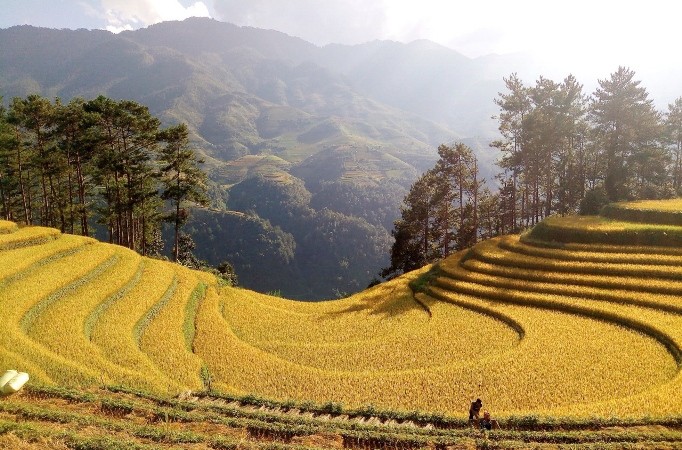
589	38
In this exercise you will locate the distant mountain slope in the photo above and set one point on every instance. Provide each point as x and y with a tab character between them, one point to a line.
242	90
441	81
185	71
262	103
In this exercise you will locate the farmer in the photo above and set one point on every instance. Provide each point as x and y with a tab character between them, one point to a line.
487	423
475	410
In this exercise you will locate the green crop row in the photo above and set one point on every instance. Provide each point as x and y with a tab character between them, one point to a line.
305	423
113	418
163	340
30	431
19	298
32	419
642	212
31	315
145	320
103	306
282	426
189	327
384	437
114	331
18	263
599	230
60	328
610	289
594	254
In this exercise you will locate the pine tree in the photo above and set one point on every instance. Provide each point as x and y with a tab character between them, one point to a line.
38	164
74	142
440	213
183	180
413	232
673	125
459	188
64	165
185	252
126	137
9	181
627	131
514	106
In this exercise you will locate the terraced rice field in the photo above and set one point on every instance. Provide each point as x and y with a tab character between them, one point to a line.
558	329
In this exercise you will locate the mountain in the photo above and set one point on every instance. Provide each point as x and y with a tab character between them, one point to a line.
363	121
444	86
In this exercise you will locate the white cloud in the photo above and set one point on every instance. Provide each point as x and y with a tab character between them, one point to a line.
130	14
318	21
118	29
585	37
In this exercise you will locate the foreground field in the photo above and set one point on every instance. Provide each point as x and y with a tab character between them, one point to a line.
575	324
46	418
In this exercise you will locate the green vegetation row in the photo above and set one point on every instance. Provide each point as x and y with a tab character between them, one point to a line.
663	213
111	412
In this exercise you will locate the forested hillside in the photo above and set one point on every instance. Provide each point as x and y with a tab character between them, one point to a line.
310	150
263	104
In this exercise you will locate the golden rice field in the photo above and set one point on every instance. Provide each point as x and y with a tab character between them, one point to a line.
558	322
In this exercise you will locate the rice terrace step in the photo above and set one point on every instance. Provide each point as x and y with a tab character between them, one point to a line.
570	333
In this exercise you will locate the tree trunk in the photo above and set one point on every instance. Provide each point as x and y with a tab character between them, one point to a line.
176	250
69	181
475	192
24	197
60	206
44	217
81	196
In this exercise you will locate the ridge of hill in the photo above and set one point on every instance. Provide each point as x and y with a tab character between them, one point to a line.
241	90
569	333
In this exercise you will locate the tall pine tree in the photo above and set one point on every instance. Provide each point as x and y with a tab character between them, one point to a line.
673	125
183	180
440	213
627	132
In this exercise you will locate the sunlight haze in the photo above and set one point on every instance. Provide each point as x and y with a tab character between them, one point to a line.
587	38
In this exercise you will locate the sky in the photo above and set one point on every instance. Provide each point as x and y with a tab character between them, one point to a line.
588	38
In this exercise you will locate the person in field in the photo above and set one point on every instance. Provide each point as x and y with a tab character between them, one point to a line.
475	410
487	423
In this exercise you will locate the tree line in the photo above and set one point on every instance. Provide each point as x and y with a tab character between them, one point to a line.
561	152
565	152
102	163
450	207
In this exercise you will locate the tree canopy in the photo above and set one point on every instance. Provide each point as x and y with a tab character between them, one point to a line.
97	163
561	152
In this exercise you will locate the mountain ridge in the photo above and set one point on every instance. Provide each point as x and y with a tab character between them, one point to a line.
265	104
